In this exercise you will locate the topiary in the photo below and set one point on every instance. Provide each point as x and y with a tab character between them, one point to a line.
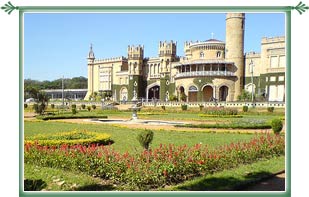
83	106
74	111
270	109
52	106
73	106
245	108
88	108
93	106
184	107
145	138
276	125
25	105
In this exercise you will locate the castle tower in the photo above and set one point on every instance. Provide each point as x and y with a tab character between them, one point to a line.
135	64
90	62
234	47
167	54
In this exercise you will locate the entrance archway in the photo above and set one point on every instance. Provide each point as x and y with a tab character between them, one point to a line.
124	94
154	92
208	93
223	93
192	94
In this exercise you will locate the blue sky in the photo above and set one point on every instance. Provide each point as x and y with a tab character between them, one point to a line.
56	45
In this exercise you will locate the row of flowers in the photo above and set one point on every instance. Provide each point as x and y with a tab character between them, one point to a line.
164	165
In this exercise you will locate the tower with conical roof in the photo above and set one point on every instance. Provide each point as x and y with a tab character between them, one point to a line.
90	61
234	47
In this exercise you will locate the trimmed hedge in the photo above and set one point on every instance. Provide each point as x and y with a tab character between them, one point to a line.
227	126
220	116
71	116
70	138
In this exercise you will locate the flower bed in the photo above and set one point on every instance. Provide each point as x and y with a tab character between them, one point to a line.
219	116
220	111
70	138
69	116
167	164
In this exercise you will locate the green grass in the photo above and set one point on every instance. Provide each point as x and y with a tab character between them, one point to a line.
126	139
50	179
234	179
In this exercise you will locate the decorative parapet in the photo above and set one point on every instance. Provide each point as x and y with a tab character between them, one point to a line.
205	73
113	59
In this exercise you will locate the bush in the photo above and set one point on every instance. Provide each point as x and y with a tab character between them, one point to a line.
201	107
74	111
39	109
270	109
89	108
83	106
25	105
52	106
220	111
163	107
69	138
93	106
145	138
245	108
276	125
73	106
184	107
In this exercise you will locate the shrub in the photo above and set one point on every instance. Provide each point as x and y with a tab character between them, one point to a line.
161	166
184	107
25	105
270	109
276	125
83	106
220	111
245	108
52	106
69	138
74	111
201	107
39	109
163	107
145	138
88	108
73	106
93	106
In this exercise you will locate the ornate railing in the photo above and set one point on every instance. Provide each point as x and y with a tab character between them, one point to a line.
205	73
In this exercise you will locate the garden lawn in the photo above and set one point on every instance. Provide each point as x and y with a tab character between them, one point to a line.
126	139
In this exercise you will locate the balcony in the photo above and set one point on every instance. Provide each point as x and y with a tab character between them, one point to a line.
205	73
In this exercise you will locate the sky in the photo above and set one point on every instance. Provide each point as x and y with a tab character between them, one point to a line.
57	44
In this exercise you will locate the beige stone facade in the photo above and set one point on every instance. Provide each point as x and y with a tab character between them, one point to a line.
210	70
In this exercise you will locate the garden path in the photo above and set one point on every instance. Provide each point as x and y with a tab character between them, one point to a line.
276	183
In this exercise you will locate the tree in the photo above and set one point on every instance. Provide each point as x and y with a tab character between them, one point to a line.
41	102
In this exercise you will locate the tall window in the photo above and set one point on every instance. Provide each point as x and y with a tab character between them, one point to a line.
218	54
202	55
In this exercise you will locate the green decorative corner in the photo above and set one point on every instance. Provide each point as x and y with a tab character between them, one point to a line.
301	7
9	8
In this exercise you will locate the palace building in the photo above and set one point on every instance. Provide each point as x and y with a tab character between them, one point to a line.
209	70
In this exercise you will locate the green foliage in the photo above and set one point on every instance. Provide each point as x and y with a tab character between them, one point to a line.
73	106
184	107
39	108
276	125
220	111
245	96
52	106
83	106
183	97
145	138
173	97
88	108
161	166
245	108
270	109
69	116
201	107
93	107
69	138
74	111
25	105
163	107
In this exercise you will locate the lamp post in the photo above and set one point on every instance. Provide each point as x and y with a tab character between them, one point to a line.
251	71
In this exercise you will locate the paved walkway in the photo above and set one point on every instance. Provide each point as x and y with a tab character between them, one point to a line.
276	183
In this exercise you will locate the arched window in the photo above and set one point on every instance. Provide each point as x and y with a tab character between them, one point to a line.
219	54
192	89
202	55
